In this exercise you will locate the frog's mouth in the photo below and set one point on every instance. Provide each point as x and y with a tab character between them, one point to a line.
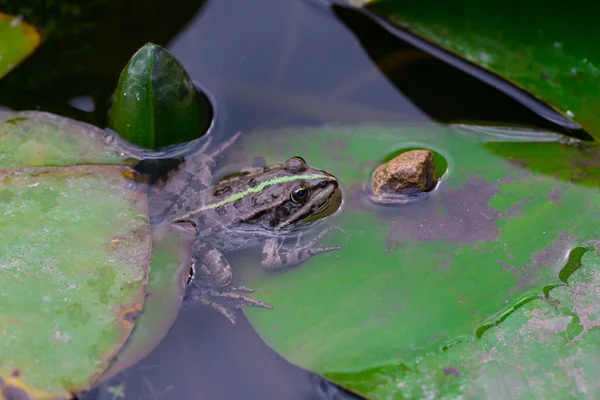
326	209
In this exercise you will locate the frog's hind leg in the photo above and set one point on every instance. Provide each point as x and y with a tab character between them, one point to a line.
211	283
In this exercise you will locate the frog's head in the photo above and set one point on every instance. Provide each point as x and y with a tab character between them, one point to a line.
308	197
281	196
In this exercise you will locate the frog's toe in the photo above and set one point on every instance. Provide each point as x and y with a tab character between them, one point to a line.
238	299
240	289
226	301
230	315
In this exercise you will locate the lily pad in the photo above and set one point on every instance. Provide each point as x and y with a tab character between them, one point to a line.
75	258
38	139
537	45
73	265
19	39
413	281
171	260
546	348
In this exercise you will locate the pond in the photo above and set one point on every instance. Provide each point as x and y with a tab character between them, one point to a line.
274	64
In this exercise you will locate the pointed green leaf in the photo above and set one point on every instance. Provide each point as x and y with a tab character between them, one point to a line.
155	103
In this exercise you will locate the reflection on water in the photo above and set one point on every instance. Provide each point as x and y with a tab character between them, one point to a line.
205	357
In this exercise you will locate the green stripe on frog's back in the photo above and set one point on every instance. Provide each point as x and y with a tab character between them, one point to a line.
252	190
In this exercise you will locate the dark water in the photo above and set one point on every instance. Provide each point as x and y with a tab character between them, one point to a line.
268	64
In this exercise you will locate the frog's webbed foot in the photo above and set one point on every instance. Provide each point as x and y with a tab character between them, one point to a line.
273	257
211	283
224	300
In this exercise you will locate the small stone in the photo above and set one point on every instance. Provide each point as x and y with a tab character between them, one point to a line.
412	171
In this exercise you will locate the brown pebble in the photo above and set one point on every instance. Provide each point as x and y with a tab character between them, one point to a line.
409	171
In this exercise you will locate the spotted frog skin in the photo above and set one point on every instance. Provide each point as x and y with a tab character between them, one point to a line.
257	207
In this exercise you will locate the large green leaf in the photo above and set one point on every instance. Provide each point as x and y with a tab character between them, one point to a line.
545	48
74	257
415	280
18	40
547	348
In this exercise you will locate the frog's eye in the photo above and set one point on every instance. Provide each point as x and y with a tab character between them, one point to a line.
295	164
300	194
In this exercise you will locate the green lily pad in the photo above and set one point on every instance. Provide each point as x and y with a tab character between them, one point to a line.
545	48
75	258
546	348
38	139
19	40
73	265
413	281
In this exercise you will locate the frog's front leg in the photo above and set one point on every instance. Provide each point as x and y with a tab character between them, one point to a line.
211	283
190	179
274	257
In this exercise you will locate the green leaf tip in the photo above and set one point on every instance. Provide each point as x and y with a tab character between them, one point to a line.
155	103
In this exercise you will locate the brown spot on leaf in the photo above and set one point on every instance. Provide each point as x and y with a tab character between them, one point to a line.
14	393
451	370
131	315
555	193
455	215
133	175
16	373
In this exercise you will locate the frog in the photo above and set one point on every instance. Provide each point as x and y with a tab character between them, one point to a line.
257	207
